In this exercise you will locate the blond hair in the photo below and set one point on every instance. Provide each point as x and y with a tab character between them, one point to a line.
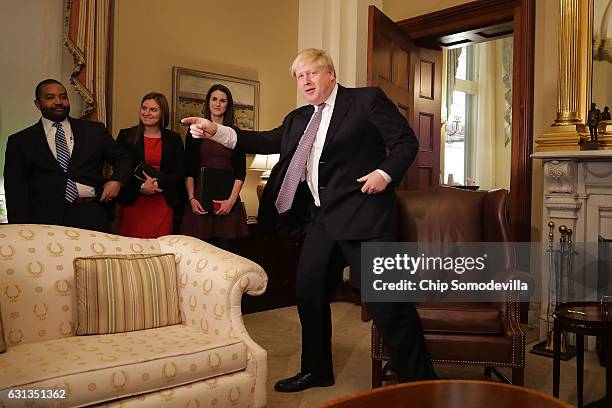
315	56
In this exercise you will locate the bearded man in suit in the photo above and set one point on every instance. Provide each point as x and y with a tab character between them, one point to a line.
53	170
340	159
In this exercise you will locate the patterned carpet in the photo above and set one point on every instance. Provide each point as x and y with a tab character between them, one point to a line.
278	331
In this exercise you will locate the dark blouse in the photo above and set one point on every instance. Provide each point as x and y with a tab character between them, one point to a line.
193	159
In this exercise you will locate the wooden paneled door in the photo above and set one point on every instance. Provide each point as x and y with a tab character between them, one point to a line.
411	77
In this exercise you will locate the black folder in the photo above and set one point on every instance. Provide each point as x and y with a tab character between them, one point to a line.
216	184
144	167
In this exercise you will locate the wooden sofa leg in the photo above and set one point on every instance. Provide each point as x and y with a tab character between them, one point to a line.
518	376
376	373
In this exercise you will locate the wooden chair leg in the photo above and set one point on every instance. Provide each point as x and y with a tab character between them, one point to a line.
365	315
518	376
580	370
376	373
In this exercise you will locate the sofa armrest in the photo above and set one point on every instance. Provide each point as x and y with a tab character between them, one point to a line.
211	284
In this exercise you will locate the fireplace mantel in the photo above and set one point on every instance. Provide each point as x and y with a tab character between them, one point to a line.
577	193
576	155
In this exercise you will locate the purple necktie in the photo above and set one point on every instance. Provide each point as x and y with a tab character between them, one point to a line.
296	171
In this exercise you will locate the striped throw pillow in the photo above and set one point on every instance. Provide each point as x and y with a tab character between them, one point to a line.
119	293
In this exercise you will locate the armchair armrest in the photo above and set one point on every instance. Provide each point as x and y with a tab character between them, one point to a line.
512	274
512	313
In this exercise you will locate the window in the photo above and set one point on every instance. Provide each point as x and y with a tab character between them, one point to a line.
461	113
478	102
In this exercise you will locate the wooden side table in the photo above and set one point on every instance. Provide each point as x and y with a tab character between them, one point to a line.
583	319
448	394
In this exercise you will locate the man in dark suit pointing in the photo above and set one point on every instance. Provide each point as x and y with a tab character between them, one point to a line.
340	158
53	169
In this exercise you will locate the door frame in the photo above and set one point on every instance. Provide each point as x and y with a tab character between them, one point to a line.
485	13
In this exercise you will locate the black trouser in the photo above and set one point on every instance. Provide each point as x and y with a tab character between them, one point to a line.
318	275
91	215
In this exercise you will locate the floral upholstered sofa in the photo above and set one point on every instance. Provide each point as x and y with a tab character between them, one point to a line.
208	359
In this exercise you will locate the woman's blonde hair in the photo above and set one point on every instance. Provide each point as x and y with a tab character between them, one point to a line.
313	55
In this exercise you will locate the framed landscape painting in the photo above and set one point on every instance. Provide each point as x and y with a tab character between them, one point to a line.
189	88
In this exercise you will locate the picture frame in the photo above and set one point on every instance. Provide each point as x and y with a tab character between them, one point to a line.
189	88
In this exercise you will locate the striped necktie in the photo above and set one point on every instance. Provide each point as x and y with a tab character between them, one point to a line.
63	157
296	171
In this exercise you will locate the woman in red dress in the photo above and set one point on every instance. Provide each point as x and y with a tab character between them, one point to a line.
147	203
227	221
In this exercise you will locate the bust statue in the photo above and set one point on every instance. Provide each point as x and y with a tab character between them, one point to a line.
605	115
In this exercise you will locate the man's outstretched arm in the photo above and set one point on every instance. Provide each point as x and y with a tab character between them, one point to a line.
246	141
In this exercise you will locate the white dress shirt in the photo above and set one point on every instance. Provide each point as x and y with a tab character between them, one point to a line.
83	189
228	137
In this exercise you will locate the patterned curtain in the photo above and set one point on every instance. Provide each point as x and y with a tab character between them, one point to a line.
87	37
451	74
507	66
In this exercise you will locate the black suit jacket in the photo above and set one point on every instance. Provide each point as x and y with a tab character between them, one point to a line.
172	167
35	183
366	132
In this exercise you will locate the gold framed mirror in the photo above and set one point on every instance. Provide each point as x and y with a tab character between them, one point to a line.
576	80
601	70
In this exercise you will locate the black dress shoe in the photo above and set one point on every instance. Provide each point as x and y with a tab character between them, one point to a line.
302	381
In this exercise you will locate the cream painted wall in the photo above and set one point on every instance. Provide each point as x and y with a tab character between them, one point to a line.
546	77
398	10
28	57
341	28
249	39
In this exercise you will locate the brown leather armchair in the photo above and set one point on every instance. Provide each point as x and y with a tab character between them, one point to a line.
487	334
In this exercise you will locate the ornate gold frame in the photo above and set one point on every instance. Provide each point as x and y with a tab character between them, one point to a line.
245	93
575	78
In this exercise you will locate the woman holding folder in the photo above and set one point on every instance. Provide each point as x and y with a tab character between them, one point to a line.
226	218
148	200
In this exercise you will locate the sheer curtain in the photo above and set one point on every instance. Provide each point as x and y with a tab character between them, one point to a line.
484	142
87	37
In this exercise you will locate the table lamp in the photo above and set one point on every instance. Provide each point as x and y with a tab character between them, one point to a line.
263	163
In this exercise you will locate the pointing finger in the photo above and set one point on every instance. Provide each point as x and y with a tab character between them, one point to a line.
191	120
